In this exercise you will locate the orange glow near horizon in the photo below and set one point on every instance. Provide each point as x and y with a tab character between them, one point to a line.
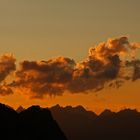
114	99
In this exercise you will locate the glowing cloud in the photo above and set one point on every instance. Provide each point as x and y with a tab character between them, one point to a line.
7	65
110	63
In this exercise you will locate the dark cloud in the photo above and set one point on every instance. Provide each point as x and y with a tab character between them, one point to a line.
7	65
45	77
104	65
110	64
135	65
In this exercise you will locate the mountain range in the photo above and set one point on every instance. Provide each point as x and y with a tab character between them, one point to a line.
34	123
76	122
79	124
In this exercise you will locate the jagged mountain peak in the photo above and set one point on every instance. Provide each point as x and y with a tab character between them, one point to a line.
106	112
20	109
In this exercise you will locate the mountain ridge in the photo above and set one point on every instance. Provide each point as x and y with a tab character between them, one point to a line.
121	125
32	123
76	107
79	124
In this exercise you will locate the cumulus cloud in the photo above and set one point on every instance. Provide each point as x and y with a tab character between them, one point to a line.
135	64
110	63
45	77
7	65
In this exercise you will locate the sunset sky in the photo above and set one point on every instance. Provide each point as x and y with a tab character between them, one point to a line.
43	29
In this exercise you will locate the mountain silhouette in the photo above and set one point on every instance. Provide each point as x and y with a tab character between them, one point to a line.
74	121
8	123
79	124
33	123
106	112
20	109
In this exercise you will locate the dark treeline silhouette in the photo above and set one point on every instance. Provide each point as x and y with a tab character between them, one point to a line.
34	123
79	124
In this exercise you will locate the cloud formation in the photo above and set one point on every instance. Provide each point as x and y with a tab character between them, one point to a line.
110	64
7	65
45	77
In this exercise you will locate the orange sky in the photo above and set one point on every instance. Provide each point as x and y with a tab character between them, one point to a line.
114	99
39	30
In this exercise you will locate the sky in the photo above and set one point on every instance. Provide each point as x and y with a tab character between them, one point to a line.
44	29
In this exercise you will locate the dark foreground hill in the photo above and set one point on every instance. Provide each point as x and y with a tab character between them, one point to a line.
79	124
34	123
